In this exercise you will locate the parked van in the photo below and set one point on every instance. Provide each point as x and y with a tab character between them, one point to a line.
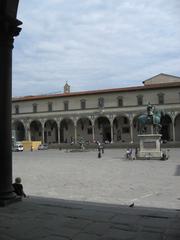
18	147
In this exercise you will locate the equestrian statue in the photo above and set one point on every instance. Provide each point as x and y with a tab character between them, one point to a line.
152	119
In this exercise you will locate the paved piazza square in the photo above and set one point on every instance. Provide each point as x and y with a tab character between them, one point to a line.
110	179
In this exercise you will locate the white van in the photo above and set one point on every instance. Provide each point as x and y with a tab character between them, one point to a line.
18	147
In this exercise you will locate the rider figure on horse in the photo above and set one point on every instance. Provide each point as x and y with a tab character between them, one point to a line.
150	109
150	113
152	118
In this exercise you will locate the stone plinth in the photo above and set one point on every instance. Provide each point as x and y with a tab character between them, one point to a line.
149	146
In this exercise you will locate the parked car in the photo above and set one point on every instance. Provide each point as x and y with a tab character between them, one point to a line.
17	147
43	147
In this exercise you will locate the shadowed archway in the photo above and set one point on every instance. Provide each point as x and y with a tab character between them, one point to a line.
166	129
36	130
18	131
84	129
67	131
50	131
102	129
177	127
121	127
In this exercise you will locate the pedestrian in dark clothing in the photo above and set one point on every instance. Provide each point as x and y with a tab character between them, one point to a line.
99	153
18	187
99	149
102	148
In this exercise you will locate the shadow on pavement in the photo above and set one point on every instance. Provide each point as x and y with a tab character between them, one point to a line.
57	219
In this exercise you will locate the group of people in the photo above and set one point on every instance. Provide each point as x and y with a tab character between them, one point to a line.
131	154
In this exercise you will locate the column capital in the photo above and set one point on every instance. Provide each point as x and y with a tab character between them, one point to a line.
9	25
42	121
58	120
130	115
173	114
92	117
74	119
26	122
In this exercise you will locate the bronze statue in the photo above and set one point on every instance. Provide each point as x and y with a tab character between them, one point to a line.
152	118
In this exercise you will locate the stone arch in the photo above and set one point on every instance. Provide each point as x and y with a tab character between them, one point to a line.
167	128
84	129
50	131
36	130
102	128
177	127
67	130
121	129
18	130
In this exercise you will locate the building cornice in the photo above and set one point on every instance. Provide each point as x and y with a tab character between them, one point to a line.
95	92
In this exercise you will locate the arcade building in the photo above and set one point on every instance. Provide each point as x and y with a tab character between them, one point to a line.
108	115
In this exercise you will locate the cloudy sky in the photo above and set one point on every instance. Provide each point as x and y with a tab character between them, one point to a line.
94	44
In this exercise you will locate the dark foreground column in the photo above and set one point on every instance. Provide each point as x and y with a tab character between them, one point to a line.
8	30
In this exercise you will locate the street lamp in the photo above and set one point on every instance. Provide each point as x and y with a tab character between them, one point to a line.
8	30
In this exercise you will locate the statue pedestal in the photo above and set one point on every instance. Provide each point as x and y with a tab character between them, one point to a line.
149	146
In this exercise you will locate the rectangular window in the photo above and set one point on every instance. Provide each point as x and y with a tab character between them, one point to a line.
101	102
140	100
120	101
161	98
49	107
83	104
16	109
66	106
34	108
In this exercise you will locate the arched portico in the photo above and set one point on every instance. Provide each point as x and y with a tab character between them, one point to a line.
18	131
102	129
50	131
36	130
84	129
121	129
67	131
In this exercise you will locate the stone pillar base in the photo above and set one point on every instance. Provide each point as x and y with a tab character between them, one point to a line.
8	198
5	202
149	147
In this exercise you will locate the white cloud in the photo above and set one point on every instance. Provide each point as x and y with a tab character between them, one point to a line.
94	43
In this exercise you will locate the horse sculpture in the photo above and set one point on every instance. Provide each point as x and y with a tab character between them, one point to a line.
152	118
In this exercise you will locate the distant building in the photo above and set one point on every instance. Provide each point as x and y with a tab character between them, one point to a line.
105	115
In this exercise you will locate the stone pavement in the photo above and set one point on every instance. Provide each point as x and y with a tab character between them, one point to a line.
110	179
54	219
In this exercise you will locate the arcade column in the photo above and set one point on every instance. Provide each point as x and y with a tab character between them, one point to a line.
8	30
75	133
112	132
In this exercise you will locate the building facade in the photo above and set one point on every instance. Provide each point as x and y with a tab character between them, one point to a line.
108	115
